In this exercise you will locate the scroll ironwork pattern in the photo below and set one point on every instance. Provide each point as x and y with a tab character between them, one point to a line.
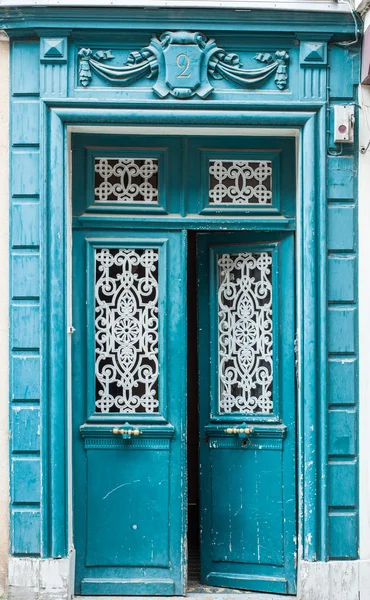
245	336
126	180
240	182
126	330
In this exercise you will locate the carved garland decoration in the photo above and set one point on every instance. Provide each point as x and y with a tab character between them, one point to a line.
182	63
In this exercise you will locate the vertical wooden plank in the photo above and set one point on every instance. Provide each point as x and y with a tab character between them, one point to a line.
309	344
322	341
25	293
55	493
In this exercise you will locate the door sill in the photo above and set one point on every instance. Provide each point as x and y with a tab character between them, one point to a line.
203	596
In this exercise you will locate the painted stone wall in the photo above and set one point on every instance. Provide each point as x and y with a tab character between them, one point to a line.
4	312
342	319
25	282
29	394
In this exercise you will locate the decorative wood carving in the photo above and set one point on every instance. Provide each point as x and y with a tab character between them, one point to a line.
245	368
183	63
126	330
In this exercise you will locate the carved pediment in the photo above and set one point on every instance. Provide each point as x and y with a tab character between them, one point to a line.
183	64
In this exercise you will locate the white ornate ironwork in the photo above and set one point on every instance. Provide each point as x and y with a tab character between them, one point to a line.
240	182
126	180
245	341
126	330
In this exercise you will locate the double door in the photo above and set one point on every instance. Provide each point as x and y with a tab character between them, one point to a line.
183	386
130	402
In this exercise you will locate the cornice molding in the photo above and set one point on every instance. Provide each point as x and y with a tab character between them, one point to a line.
300	5
30	19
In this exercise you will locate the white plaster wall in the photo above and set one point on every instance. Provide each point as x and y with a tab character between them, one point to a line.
4	311
362	6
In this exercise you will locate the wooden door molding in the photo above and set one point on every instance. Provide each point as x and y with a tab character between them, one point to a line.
312	301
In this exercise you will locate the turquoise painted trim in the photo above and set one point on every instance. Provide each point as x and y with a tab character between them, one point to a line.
37	126
45	415
210	223
308	339
263	21
25	292
343	500
57	350
166	151
309	513
323	347
213	118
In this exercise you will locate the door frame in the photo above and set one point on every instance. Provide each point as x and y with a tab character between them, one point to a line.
60	119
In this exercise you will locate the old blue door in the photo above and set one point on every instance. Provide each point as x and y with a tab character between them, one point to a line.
129	411
140	208
128	371
247	411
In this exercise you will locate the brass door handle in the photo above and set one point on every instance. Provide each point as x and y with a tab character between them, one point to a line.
240	430
126	433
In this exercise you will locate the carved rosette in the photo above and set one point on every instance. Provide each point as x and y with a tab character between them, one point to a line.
183	63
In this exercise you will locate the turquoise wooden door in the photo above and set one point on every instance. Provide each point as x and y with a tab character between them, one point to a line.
128	411
139	203
247	411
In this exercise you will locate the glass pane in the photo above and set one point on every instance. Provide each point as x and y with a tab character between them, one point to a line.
126	180
245	341
240	182
126	330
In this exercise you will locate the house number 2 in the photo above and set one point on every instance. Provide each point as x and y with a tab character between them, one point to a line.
183	62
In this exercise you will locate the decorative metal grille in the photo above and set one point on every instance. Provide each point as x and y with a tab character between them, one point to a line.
245	341
126	330
126	180
240	182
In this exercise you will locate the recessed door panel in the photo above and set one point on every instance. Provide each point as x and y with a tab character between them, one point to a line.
243	500
129	378
247	411
131	498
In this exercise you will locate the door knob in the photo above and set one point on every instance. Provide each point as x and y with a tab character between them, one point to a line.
126	433
238	430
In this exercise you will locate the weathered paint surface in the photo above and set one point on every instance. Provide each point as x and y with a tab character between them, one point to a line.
4	311
248	485
328	420
343	506
47	579
129	494
25	373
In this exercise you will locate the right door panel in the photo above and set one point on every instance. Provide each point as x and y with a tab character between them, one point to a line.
247	411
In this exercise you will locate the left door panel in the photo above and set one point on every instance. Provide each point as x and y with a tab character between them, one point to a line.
128	411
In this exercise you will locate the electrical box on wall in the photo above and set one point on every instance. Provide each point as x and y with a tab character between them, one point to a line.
344	120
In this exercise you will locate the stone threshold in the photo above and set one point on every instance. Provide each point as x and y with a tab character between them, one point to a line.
191	596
